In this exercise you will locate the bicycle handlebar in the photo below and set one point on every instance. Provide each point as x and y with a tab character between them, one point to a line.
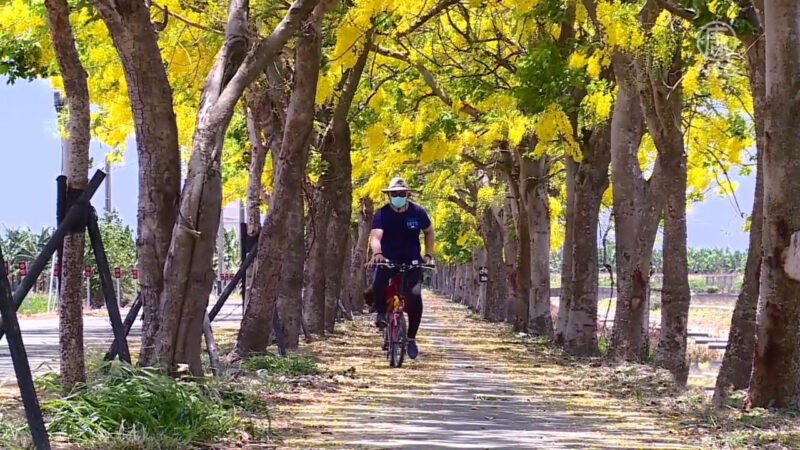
404	267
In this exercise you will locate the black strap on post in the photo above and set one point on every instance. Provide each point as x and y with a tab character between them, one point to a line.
74	198
22	368
61	211
75	213
243	247
127	325
112	307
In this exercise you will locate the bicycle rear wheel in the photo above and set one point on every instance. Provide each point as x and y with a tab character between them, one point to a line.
397	343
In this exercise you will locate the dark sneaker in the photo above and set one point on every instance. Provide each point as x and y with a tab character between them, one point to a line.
380	321
413	351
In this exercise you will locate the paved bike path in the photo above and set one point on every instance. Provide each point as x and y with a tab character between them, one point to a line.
40	336
482	393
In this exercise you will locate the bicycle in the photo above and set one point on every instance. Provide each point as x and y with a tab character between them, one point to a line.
394	334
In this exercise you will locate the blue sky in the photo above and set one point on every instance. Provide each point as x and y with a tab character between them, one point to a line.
30	161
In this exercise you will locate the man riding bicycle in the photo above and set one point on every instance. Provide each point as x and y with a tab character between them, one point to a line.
395	237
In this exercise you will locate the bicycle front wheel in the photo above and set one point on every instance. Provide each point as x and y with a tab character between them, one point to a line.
397	344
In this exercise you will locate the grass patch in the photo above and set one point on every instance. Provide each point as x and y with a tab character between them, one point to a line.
13	434
141	405
702	354
33	304
293	365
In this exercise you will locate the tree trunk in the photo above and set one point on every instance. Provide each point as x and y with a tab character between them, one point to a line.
273	243
258	106
675	295
510	250
776	363
565	295
662	102
352	237
314	296
156	130
356	285
339	186
636	213
535	173
290	295
590	183
76	167
335	200
266	119
188	271
737	363
496	289
520	278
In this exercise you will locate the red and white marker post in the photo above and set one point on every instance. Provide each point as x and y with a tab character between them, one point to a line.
87	271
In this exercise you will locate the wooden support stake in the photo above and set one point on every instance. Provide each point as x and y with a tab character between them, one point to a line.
107	284
251	256
346	313
21	367
243	248
127	325
211	346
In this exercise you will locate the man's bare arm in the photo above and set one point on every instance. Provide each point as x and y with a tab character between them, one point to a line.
429	241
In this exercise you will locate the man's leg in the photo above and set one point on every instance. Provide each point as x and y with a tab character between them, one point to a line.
413	308
379	285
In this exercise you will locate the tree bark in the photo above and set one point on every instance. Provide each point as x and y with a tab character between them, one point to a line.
314	296
268	116
156	131
737	364
335	195
510	250
534	179
591	181
339	187
76	167
661	97
636	211
520	278
188	272
258	106
356	279
565	296
496	288
273	243
776	363
290	295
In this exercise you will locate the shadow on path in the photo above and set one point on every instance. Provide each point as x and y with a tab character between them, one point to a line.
475	399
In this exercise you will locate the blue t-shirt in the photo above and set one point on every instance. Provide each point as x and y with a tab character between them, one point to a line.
400	242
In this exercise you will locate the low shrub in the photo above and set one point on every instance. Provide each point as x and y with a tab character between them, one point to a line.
293	365
141	405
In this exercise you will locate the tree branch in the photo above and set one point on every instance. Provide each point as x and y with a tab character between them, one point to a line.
677	10
260	55
430	80
439	7
461	203
191	23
